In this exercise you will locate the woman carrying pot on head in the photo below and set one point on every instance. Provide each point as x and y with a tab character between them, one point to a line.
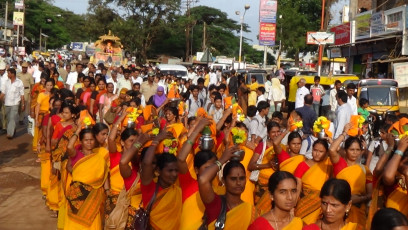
229	210
358	176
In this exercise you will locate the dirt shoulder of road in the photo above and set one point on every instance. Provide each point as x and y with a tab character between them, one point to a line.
21	203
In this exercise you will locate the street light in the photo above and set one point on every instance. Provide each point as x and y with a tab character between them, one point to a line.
240	39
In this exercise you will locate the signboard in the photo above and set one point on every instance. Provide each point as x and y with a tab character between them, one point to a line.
18	18
77	46
334	52
267	34
267	11
363	25
319	38
394	19
342	34
21	51
401	74
2	51
19	5
377	23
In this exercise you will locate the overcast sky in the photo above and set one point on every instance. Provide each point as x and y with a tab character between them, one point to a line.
228	6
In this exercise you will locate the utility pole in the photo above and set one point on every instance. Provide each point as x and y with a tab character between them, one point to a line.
188	30
319	66
40	38
265	56
5	22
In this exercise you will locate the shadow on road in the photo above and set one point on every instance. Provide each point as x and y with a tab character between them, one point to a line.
9	154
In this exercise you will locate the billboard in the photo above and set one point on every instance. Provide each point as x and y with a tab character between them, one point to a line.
18	18
267	34
319	38
267	11
401	74
363	25
342	34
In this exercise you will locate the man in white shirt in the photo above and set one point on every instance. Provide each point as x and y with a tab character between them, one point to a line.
257	127
37	73
343	113
136	78
213	78
72	78
333	95
261	95
12	92
301	93
125	82
3	78
191	75
114	80
351	100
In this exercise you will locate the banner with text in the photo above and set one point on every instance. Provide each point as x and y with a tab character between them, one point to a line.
267	34
18	19
267	11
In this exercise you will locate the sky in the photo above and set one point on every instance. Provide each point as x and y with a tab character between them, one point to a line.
228	6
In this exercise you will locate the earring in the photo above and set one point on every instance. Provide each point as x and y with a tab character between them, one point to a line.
347	213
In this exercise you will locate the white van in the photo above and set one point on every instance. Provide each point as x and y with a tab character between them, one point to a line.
177	70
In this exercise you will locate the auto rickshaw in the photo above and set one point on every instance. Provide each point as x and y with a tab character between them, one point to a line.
325	81
382	96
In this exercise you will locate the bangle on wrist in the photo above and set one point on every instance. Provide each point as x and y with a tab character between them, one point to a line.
399	152
75	135
189	141
137	145
219	164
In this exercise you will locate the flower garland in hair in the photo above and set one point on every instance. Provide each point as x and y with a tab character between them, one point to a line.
238	135
170	146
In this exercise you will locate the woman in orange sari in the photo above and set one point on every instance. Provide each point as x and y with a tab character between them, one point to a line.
336	202
263	160
311	175
193	207
396	176
59	140
289	161
358	176
238	214
127	138
283	192
41	109
86	194
164	195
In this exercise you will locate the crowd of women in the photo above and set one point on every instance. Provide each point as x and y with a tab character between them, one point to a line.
178	171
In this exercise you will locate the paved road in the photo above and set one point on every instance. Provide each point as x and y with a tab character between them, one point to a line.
21	203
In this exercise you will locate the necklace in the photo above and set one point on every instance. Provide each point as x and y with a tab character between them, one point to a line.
276	222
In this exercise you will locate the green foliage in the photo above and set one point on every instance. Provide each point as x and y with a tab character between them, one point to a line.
298	17
63	28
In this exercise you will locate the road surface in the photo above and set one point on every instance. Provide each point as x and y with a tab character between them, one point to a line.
21	203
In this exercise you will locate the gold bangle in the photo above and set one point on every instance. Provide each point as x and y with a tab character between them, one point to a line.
218	163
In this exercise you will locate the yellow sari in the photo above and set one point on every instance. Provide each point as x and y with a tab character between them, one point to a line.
45	171
308	207
248	194
398	199
264	174
166	210
252	96
86	194
356	175
239	217
290	165
192	212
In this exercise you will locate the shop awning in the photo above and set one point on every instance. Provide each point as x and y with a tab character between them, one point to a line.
400	59
368	40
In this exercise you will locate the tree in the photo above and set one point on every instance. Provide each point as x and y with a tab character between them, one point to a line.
148	19
298	17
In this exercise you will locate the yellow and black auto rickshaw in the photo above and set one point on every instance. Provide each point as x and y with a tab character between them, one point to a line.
382	96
